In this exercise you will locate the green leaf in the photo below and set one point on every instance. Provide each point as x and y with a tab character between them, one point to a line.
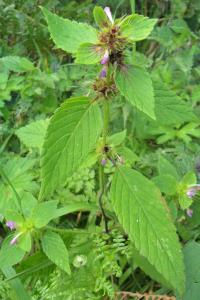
55	249
192	265
25	242
16	283
145	217
72	134
189	179
166	168
68	35
43	213
100	17
149	269
169	108
89	54
117	138
137	27
18	170
10	254
16	63
32	135
135	85
166	183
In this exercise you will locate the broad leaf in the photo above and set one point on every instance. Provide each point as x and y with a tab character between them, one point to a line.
16	63
55	249
69	35
89	54
32	135
192	264
100	17
135	84
166	168
137	27
43	213
10	254
18	170
145	217
169	108
72	134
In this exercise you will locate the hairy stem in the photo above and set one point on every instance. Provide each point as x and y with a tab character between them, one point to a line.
105	121
101	171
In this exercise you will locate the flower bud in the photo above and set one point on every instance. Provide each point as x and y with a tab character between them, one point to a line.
105	58
109	14
11	225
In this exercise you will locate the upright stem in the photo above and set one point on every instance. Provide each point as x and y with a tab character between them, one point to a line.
132	2
105	120
101	171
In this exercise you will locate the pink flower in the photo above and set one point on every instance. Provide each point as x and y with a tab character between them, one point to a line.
109	14
105	58
15	238
192	190
189	212
11	225
103	162
103	73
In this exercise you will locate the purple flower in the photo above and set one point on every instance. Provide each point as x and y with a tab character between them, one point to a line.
103	162
105	58
103	73
189	212
192	190
15	238
11	225
109	14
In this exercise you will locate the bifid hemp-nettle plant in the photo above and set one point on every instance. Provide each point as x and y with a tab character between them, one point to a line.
80	127
78	132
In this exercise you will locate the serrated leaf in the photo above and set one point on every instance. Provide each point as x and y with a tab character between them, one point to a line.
43	213
169	108
18	170
32	135
72	134
192	264
10	254
117	138
89	54
166	183
69	35
145	217
55	249
25	242
100	17
166	168
137	27
135	85
16	63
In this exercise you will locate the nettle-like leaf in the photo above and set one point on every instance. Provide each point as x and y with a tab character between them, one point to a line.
32	135
18	170
55	249
100	17
137	27
69	35
16	64
135	84
89	54
72	134
169	108
144	215
192	262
